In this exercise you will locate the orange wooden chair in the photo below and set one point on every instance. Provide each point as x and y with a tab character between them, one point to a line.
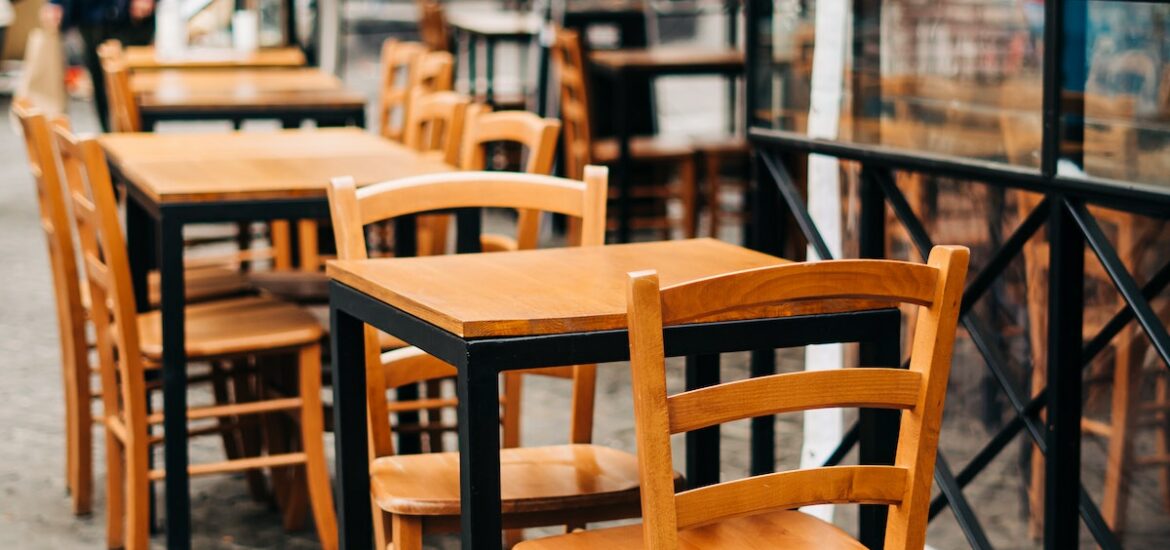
581	148
759	512
204	282
398	61
542	486
129	343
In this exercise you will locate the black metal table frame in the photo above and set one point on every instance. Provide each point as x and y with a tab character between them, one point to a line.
473	38
155	239
1070	226
289	117
621	77
480	361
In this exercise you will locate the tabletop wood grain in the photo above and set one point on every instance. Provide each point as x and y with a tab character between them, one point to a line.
258	165
170	81
140	58
550	291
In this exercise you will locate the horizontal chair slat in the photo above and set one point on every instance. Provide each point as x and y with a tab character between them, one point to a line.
792	489
238	465
796	391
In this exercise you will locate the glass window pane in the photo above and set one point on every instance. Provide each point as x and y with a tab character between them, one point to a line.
950	77
1117	67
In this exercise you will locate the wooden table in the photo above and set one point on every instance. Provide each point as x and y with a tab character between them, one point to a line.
486	313
623	66
143	58
289	95
177	179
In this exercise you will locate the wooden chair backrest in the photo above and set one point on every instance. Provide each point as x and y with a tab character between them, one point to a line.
435	123
538	137
570	65
352	209
107	271
123	107
432	25
54	216
919	392
399	61
435	72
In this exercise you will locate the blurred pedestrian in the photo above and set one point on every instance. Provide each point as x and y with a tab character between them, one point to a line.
130	22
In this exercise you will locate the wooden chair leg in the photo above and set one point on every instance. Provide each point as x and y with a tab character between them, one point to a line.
232	442
687	192
407	532
513	396
307	244
79	443
313	441
434	390
383	531
1162	436
1037	331
115	493
137	497
280	235
1126	375
249	431
712	166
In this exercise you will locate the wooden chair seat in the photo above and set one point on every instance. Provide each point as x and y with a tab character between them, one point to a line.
722	147
643	148
237	326
203	283
302	287
786	529
534	479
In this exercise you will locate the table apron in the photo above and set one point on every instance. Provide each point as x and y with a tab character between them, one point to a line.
524	352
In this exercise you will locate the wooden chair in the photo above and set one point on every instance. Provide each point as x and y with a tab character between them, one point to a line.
432	25
759	512
582	149
124	116
536	135
568	484
73	302
1128	411
129	343
399	61
434	126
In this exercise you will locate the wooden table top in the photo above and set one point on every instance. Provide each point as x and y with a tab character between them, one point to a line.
684	59
177	168
140	58
549	291
253	88
495	23
177	81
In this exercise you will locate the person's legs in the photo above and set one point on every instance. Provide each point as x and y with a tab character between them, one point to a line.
92	37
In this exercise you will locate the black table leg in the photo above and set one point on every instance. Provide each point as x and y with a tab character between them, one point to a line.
542	76
477	387
763	438
622	128
490	69
878	438
472	70
1062	465
140	246
178	491
349	429
702	445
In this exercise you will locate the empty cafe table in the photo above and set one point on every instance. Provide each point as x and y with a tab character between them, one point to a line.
486	313
142	58
288	95
173	180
